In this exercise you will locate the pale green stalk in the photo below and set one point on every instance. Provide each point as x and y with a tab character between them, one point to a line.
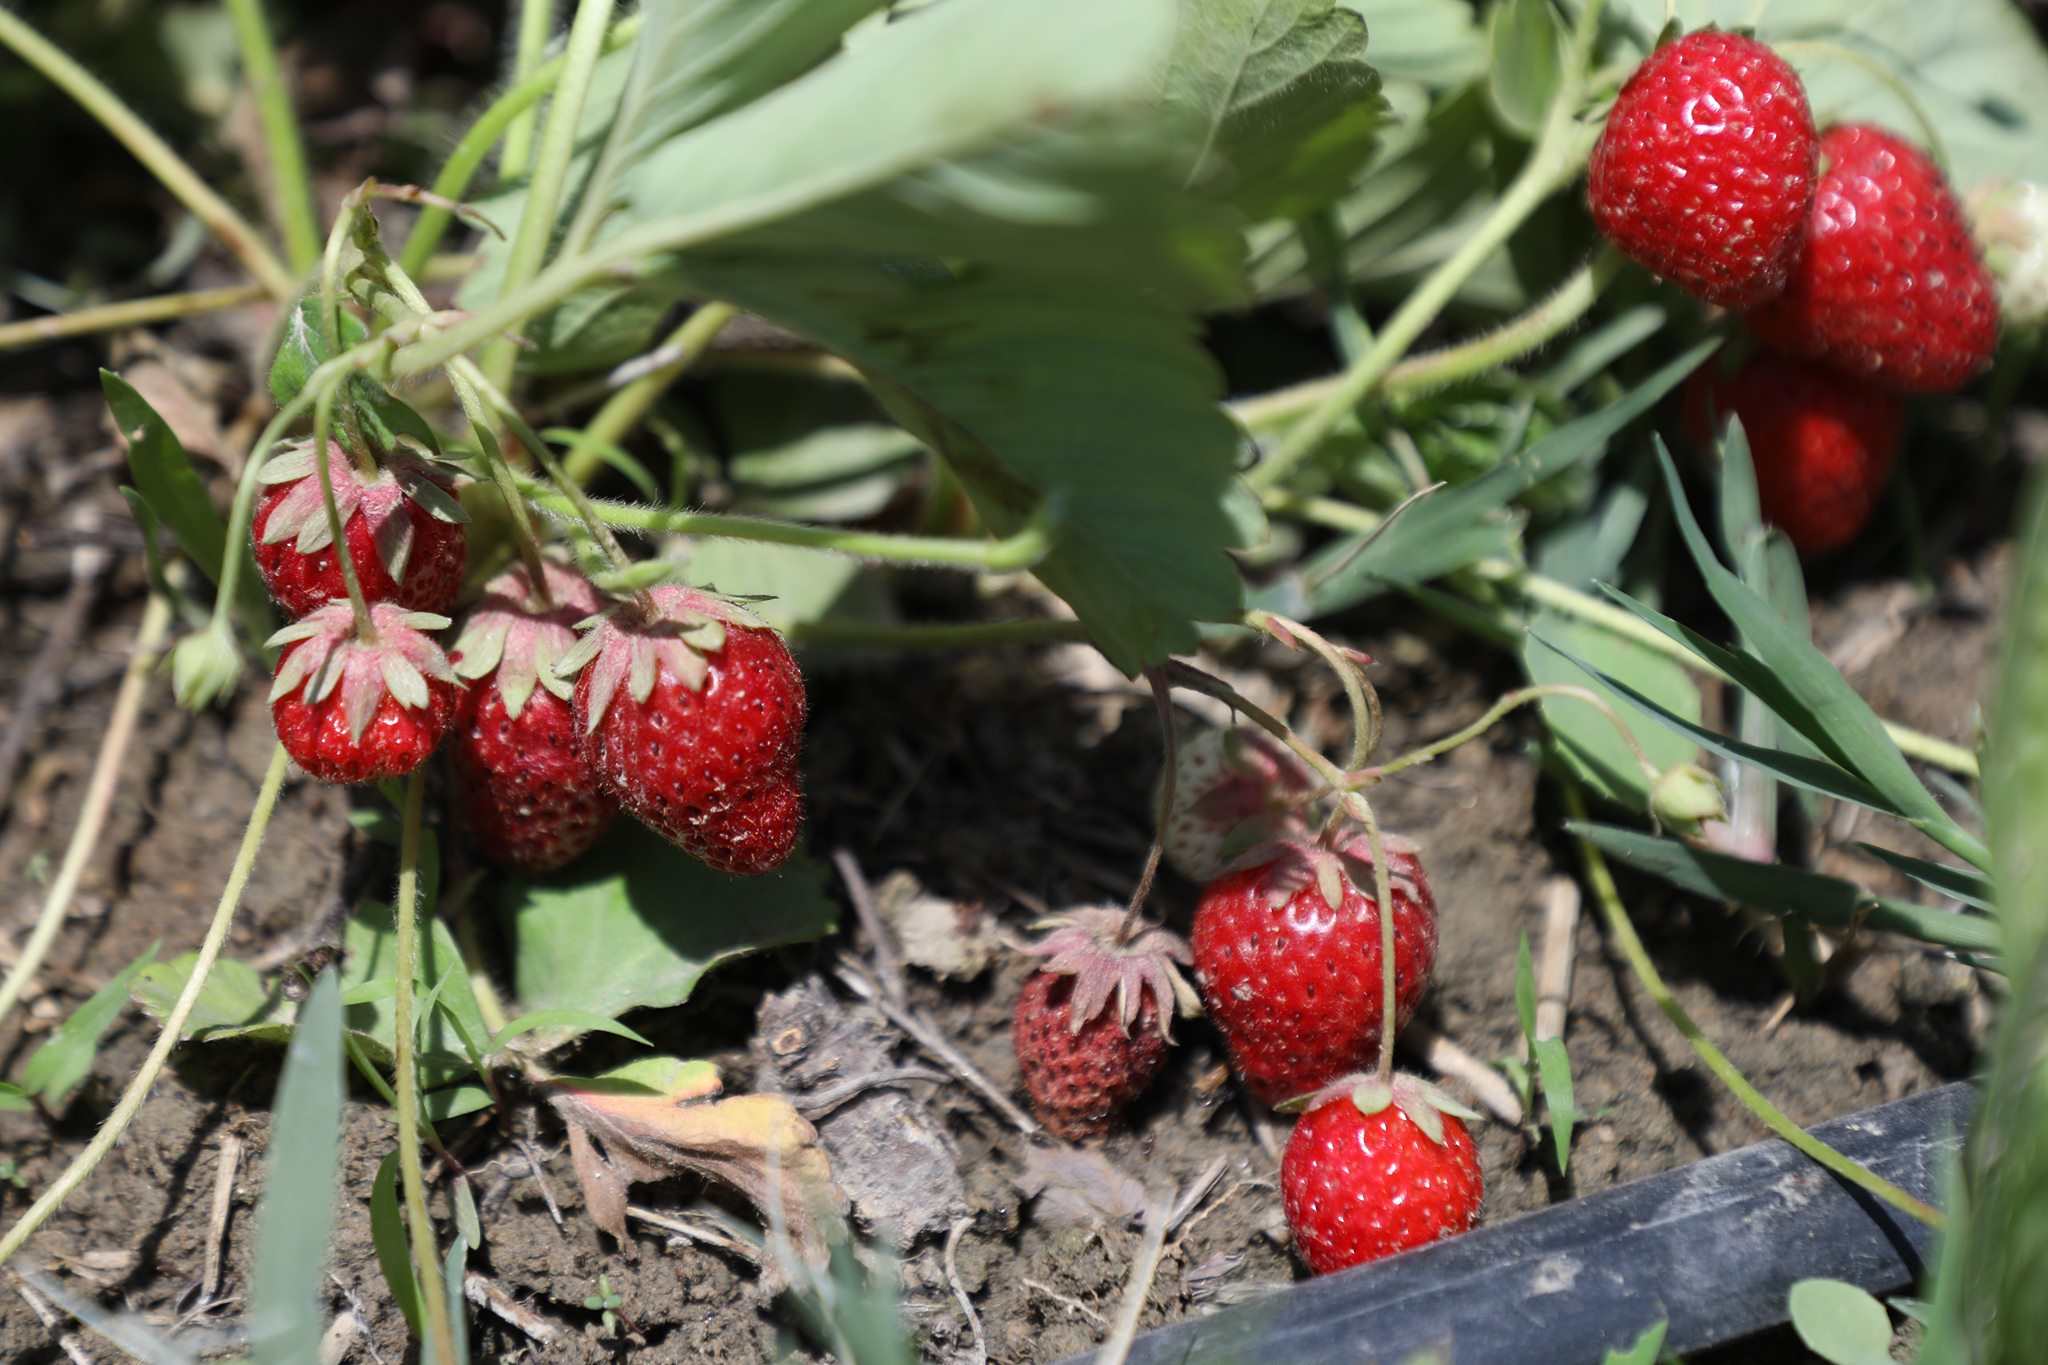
536	26
291	188
550	177
440	1342
624	409
156	156
83	1165
108	317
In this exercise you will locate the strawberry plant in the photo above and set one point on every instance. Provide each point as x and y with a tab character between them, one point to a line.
1270	359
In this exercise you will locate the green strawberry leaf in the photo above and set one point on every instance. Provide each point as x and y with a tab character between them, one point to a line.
1287	106
636	923
1841	1323
232	1004
66	1056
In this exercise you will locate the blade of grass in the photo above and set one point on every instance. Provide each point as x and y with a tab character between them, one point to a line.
291	191
296	1215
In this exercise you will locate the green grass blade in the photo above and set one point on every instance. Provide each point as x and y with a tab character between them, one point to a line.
387	1234
296	1214
1970	887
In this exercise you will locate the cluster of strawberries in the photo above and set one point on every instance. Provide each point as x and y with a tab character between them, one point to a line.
1846	252
1288	954
682	708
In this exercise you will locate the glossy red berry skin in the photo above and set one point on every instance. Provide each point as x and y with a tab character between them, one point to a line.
1888	284
333	702
531	802
1823	444
1704	173
377	516
399	737
714	769
1296	990
1358	1187
1080	1083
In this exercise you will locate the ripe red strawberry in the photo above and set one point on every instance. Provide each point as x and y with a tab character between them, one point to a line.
1823	443
1375	1168
1083	1062
532	802
1888	283
356	708
1705	170
694	720
405	548
1232	789
1287	955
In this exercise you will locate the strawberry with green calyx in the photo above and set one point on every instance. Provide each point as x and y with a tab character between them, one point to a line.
1704	172
404	531
1378	1166
1290	961
531	800
1232	789
1092	1025
359	705
691	711
1889	284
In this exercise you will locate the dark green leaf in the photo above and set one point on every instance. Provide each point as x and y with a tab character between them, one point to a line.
1780	890
66	1056
1436	43
1554	1068
453	1101
232	1004
387	1234
636	923
1525	990
15	1100
288	1289
165	477
567	1023
449	1028
303	348
1287	107
1964	884
1460	525
452	1267
1562	649
152	552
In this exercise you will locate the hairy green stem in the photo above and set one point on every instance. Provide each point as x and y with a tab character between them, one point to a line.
1026	547
1358	693
440	1341
1520	697
83	1165
624	409
1483	354
291	188
108	317
536	26
1195	680
156	156
1557	155
99	799
475	146
1623	932
550	177
1383	892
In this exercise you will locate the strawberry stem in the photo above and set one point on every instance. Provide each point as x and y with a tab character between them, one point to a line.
1358	689
629	403
1623	932
1520	697
426	1260
1383	897
172	1033
1162	698
323	421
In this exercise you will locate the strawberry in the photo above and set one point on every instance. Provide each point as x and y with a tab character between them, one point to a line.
1823	443
356	707
402	535
691	710
1287	955
1082	1061
1705	170
1231	789
1888	284
532	802
1378	1167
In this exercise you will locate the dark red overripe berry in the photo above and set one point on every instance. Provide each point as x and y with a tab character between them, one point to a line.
1083	1060
1705	170
1287	955
1888	283
1374	1168
355	707
1232	789
693	718
1823	443
405	549
530	799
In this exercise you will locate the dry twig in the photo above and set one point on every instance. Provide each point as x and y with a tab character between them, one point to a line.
1446	1058
486	1295
921	1030
231	1148
960	1290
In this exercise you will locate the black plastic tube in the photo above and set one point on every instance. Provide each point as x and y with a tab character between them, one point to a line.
1713	1248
